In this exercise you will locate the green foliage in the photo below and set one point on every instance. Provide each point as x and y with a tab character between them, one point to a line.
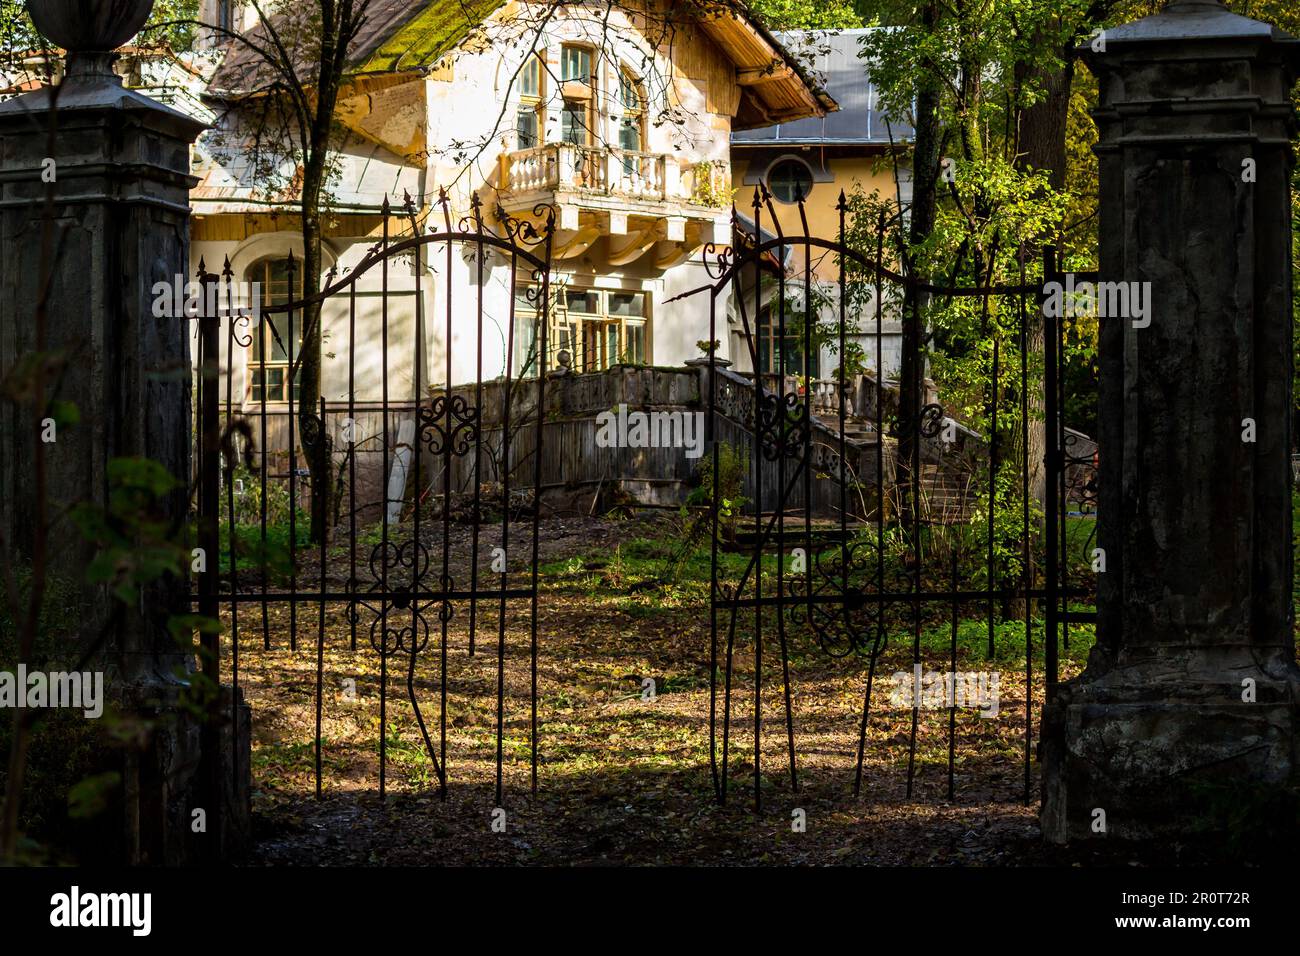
135	542
727	502
808	14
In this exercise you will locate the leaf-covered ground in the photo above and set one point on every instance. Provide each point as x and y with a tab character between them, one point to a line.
624	779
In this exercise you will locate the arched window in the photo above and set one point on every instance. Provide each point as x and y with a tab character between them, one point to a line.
790	180
273	349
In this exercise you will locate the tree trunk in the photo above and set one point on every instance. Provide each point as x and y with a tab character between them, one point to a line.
911	375
1042	141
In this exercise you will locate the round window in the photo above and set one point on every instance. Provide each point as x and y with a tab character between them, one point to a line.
789	180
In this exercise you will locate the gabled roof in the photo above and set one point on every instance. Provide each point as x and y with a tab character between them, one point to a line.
859	121
415	35
411	36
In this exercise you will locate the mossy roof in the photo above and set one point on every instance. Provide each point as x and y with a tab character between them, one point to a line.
419	41
396	36
409	36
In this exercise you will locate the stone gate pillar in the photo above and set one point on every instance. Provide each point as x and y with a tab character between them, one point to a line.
119	167
1188	706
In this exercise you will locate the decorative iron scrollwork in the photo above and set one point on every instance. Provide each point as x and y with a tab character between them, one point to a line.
525	232
449	423
783	425
931	420
398	624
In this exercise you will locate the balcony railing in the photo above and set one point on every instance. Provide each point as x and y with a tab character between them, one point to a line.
651	177
825	392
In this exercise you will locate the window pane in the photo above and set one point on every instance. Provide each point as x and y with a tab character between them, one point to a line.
277	337
273	377
575	64
582	300
525	341
526	127
627	303
573	123
628	94
629	138
634	339
530	77
276	283
789	181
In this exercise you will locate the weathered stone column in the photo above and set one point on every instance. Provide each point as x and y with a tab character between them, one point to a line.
1187	709
119	166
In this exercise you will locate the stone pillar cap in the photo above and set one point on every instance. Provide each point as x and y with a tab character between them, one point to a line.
1189	20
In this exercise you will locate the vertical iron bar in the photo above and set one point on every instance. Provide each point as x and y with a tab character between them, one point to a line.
478	438
505	504
878	287
230	509
383	516
352	455
993	471
758	495
210	542
1054	476
537	489
266	467
445	585
1027	572
711	440
914	522
418	567
952	674
324	558
293	477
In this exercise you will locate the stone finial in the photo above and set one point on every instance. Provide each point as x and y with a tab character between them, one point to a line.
89	26
89	30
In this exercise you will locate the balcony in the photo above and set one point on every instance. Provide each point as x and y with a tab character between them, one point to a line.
640	200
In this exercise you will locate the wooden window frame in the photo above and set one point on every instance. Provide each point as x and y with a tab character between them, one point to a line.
628	80
534	102
577	91
263	337
575	324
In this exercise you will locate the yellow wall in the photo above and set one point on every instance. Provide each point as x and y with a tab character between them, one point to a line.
870	173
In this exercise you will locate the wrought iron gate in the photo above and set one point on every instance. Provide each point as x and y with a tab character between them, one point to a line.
867	571
397	597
